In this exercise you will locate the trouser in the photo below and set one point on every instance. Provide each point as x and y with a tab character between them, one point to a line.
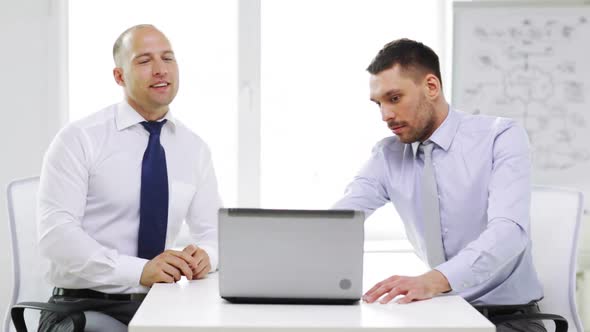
121	310
525	325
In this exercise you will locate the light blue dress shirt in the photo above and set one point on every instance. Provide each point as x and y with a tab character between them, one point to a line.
482	167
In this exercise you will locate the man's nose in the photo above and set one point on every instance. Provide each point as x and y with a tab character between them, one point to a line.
159	68
387	114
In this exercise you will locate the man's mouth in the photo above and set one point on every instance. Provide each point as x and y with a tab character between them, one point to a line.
397	128
160	85
394	125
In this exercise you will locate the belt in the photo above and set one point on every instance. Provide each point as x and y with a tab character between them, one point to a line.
92	294
490	311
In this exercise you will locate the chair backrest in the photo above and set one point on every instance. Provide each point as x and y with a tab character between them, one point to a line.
28	265
555	222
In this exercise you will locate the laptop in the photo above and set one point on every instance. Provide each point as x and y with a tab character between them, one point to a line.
291	256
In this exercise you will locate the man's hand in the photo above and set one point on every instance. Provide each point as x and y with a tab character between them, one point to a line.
414	288
167	267
200	263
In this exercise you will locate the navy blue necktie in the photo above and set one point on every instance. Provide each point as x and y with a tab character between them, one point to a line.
153	207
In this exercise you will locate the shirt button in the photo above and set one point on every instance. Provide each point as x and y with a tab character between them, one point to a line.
465	285
446	230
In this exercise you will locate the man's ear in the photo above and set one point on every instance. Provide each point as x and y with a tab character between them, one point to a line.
118	75
432	86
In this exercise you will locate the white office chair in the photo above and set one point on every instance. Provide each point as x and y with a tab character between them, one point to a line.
29	266
555	222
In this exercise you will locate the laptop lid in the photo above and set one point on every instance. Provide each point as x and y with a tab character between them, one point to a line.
290	256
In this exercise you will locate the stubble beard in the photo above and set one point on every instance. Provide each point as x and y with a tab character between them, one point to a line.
426	116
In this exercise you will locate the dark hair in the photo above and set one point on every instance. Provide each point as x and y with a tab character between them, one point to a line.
409	54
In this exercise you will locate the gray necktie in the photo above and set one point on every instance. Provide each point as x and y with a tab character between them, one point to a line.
431	210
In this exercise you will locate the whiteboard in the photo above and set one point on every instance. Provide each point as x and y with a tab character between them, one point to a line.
530	62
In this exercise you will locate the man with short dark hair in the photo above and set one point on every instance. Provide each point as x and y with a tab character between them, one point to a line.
460	183
116	186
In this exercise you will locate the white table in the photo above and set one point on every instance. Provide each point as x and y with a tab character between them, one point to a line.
196	306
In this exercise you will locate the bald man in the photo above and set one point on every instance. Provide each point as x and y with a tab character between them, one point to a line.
116	187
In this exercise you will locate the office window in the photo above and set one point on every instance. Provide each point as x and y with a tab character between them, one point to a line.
204	37
318	125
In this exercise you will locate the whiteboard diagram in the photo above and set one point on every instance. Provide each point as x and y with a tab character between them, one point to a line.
530	63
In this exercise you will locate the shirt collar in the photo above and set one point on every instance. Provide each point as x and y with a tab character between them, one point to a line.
443	135
127	116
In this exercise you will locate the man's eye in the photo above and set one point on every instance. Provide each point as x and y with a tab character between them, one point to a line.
144	61
395	99
168	59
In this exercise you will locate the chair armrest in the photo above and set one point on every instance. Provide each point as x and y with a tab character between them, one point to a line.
560	322
73	311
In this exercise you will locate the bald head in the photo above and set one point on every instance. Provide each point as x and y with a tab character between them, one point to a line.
146	68
120	44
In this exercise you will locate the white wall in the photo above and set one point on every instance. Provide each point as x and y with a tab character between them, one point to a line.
30	114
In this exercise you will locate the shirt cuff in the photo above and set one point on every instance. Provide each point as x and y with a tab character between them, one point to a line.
459	273
213	256
129	270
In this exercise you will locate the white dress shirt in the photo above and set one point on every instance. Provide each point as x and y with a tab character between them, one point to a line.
483	169
89	198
